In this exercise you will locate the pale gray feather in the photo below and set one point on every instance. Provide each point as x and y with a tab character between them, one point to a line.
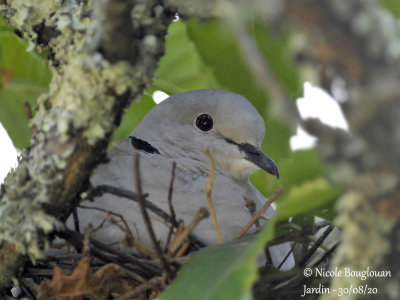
170	128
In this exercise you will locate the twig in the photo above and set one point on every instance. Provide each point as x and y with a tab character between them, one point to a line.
251	206
208	191
154	208
101	189
76	239
171	208
313	239
141	289
320	258
76	219
201	214
183	249
260	213
86	241
35	272
179	231
314	247
287	255
143	249
30	285
127	229
291	236
321	224
147	220
61	258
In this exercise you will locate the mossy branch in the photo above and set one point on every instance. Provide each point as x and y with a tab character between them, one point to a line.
92	83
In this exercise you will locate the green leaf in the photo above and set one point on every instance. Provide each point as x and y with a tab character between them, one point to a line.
181	68
307	197
3	24
219	50
393	6
298	167
276	141
275	50
301	166
225	271
23	77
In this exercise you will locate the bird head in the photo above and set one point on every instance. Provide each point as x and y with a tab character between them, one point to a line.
227	124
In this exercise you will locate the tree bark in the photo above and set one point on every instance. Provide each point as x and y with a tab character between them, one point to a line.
93	81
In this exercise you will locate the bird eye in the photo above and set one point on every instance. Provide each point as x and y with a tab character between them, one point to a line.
204	122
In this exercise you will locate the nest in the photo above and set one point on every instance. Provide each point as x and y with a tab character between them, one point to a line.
84	268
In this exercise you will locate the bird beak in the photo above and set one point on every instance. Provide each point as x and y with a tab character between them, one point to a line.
259	158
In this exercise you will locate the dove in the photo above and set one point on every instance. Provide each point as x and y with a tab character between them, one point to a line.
179	130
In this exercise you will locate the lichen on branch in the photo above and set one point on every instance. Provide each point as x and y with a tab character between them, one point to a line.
92	84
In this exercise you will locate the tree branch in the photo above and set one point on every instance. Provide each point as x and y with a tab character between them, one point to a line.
92	83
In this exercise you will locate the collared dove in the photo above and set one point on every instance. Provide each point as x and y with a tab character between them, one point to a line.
179	129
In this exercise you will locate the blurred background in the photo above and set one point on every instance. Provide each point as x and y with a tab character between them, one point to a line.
198	55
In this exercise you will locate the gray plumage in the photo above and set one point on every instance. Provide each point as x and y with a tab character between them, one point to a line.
171	129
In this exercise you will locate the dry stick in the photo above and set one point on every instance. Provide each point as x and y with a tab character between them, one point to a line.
43	272
30	284
287	255
182	250
76	219
316	245
316	261
61	258
147	220
101	189
50	272
143	249
86	241
109	219
75	238
321	224
260	213
251	206
201	214
28	293
319	259
111	213
208	191
171	208
154	208
296	277
179	230
141	289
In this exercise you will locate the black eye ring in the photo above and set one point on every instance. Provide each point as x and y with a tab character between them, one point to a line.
204	122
